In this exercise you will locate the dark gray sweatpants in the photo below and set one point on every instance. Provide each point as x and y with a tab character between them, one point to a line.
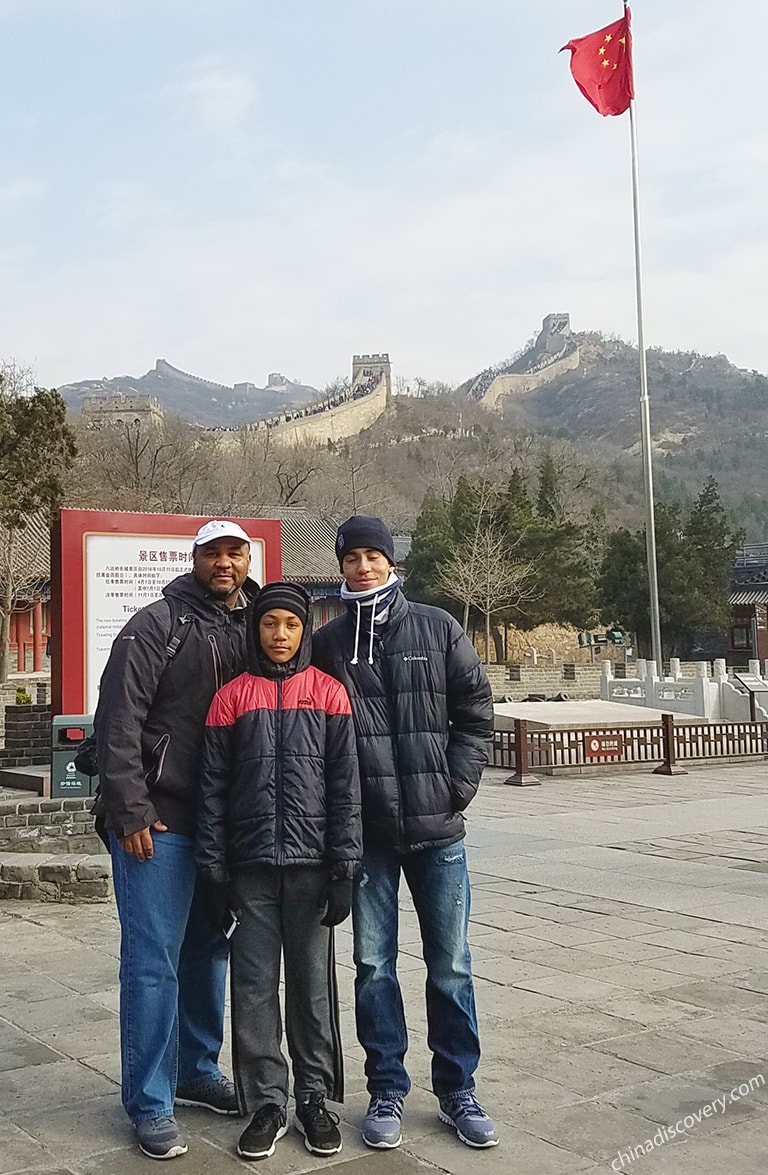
279	912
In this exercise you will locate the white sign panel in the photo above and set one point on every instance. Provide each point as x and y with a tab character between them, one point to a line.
123	573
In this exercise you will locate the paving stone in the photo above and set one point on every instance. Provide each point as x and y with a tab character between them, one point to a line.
573	960
670	1100
20	1051
517	1151
594	1129
50	1086
510	1003
91	1037
648	1009
23	1153
756	981
70	1010
739	1033
628	950
637	977
693	965
742	953
571	987
683	940
509	971
580	1025
707	997
663	1052
585	1070
567	935
717	995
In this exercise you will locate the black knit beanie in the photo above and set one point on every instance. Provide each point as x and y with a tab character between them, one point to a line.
369	533
289	596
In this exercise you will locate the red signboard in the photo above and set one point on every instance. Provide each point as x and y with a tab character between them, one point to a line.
603	746
105	565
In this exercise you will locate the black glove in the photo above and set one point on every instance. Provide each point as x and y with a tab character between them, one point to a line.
214	898
338	902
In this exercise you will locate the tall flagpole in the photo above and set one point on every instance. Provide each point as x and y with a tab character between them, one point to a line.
645	408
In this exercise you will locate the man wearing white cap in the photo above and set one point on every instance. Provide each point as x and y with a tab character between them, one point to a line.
163	670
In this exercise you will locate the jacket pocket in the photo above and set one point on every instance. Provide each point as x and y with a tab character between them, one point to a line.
462	795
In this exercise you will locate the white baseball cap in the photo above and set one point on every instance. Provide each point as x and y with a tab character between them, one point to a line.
219	528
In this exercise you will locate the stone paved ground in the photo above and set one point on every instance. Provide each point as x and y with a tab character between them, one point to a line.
620	943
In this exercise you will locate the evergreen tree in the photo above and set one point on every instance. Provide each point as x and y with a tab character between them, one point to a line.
36	450
694	561
431	545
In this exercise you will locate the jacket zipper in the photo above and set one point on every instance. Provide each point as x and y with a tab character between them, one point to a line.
391	711
279	854
216	660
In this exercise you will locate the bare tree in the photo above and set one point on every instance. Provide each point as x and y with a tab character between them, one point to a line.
481	575
294	466
142	465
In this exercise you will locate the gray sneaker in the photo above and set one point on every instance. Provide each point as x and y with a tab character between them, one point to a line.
381	1124
216	1093
159	1138
469	1119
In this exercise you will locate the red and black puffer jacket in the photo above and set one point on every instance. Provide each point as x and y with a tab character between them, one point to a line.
280	782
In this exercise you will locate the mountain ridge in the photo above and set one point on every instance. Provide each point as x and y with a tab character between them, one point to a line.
201	401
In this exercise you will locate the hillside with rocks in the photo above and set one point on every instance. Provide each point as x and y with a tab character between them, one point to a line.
708	418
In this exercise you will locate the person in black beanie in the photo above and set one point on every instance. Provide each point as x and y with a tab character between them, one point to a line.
279	840
423	715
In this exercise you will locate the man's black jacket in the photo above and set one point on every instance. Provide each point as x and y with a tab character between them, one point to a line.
423	716
151	711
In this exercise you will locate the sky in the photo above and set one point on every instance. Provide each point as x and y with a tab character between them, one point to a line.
249	186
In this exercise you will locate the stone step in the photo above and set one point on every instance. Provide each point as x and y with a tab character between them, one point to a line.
67	877
35	778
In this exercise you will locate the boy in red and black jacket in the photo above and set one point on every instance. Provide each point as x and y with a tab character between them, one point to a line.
279	840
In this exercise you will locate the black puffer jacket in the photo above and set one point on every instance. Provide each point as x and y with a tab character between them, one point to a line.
151	711
423	719
280	781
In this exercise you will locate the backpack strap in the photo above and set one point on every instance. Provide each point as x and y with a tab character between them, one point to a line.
181	623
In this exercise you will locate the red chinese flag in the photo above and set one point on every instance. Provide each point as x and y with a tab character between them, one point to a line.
601	65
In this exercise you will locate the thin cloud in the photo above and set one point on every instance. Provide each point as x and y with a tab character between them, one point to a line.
219	101
19	195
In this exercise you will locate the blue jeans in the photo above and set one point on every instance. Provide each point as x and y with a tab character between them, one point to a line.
439	885
173	975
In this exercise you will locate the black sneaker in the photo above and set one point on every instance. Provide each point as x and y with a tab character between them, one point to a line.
258	1139
318	1125
217	1093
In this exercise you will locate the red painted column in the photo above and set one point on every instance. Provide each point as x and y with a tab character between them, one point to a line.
17	636
37	636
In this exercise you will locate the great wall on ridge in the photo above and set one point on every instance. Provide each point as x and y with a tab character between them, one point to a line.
347	410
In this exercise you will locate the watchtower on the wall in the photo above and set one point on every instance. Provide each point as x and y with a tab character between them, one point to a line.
125	410
369	372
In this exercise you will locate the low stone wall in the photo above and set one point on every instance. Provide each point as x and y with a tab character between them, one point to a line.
44	878
516	682
49	852
27	735
38	686
497	675
48	826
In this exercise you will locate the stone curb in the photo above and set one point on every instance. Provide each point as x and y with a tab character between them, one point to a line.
66	877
